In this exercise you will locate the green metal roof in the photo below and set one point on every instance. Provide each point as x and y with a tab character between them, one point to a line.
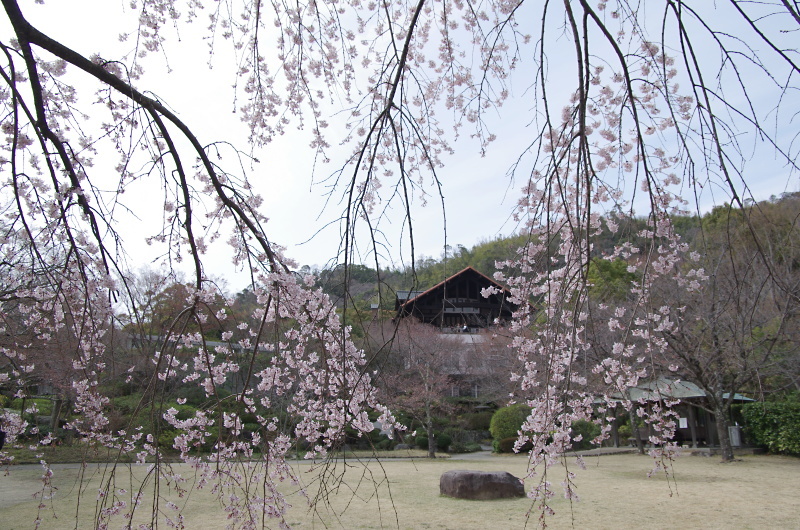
667	388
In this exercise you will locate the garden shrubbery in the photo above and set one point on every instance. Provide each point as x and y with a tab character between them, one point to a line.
506	445
478	421
508	420
138	408
460	447
774	425
624	432
588	431
506	423
443	442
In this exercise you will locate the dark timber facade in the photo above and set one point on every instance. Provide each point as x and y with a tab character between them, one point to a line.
457	302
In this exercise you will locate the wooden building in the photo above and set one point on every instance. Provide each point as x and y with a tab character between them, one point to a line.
457	302
696	425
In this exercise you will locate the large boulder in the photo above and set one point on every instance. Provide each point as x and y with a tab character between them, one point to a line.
480	485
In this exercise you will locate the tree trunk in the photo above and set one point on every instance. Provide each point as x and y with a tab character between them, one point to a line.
429	430
431	444
69	434
55	415
635	432
725	448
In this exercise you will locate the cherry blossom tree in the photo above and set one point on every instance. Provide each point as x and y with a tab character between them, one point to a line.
649	109
63	216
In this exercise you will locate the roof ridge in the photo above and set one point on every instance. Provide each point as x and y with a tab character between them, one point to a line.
465	269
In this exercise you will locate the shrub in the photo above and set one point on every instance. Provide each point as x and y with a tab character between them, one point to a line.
212	438
196	395
167	438
507	421
193	394
443	441
588	430
479	421
506	445
458	447
455	433
248	417
624	432
775	426
184	411
116	388
128	404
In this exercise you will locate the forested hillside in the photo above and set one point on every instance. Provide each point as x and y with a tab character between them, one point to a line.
365	286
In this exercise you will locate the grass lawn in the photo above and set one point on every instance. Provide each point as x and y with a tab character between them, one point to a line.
755	492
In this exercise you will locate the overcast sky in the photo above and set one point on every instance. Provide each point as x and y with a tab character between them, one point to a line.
479	195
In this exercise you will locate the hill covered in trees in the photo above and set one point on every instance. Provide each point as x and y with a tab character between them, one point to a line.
362	286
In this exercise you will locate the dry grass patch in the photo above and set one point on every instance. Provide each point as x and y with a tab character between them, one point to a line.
755	492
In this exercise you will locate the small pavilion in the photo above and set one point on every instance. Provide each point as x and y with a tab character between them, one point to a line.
695	423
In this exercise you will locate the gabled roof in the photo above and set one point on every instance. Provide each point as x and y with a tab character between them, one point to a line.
413	296
667	388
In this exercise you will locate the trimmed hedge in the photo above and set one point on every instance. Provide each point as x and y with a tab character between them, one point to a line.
506	423
775	425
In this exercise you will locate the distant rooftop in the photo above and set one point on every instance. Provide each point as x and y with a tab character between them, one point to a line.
407	295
